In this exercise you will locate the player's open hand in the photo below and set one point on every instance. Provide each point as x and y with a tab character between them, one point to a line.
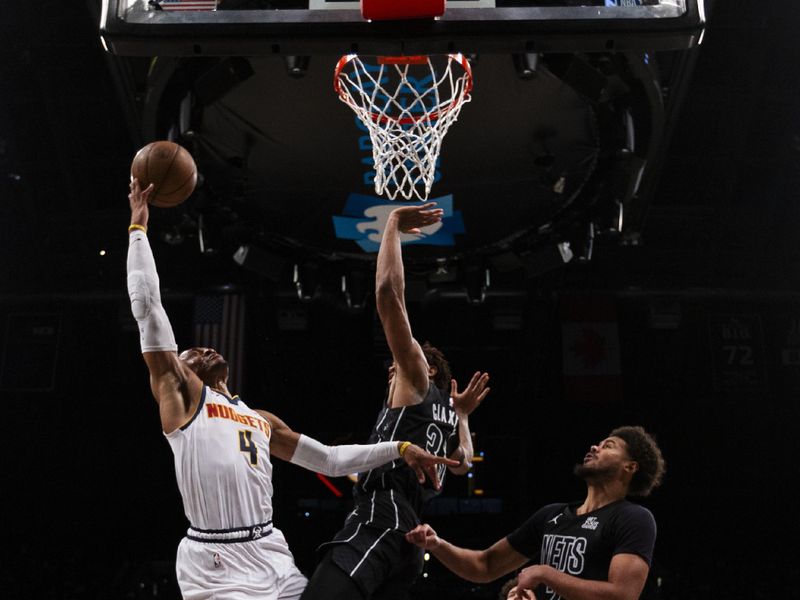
138	199
410	219
424	464
467	401
423	536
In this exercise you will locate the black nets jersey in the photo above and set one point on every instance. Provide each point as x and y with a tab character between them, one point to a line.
390	496
583	545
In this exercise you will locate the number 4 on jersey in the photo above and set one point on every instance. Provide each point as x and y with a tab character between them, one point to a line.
246	445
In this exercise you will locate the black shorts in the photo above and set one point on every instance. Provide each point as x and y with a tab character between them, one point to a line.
380	561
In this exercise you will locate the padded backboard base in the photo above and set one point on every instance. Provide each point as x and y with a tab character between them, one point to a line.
391	10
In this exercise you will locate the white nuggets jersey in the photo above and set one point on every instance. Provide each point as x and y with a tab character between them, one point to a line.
223	465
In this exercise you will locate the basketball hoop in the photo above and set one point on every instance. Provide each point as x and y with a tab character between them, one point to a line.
407	103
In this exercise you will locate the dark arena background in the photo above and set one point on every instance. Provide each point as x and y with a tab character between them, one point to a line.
683	317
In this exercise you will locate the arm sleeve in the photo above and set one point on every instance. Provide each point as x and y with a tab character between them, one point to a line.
155	331
336	461
635	533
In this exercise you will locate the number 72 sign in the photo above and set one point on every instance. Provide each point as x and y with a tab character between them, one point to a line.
737	352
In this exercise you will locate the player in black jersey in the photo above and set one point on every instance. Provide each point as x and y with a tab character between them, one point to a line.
599	548
369	557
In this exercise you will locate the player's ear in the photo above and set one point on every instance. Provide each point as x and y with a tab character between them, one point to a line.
432	370
631	467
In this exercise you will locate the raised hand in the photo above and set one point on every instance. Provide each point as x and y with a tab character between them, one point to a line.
424	463
410	219
138	198
467	401
423	536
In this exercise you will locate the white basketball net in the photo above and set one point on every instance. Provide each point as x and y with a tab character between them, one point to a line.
407	104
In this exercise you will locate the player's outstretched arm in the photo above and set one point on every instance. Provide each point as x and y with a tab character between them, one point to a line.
464	404
412	368
337	461
176	389
627	575
479	566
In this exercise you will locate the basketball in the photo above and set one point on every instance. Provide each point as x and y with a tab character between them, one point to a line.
171	170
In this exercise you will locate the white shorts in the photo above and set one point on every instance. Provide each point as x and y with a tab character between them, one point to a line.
262	569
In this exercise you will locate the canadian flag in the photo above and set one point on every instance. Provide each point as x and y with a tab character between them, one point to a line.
590	349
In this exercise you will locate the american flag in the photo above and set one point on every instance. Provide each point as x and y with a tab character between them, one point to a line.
219	324
188	4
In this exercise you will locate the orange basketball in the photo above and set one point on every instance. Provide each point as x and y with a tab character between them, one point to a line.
171	170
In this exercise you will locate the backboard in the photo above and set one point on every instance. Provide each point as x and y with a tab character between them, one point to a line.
568	120
309	27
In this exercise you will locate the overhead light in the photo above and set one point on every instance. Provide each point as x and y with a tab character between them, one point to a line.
477	290
354	295
588	244
297	282
296	66
201	237
526	64
620	216
630	132
564	251
626	175
610	218
185	114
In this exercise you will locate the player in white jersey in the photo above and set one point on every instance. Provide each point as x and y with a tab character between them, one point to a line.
223	449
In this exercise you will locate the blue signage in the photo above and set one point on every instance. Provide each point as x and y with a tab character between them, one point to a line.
365	217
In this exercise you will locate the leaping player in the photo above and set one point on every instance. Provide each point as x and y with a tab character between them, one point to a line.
369	557
223	448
